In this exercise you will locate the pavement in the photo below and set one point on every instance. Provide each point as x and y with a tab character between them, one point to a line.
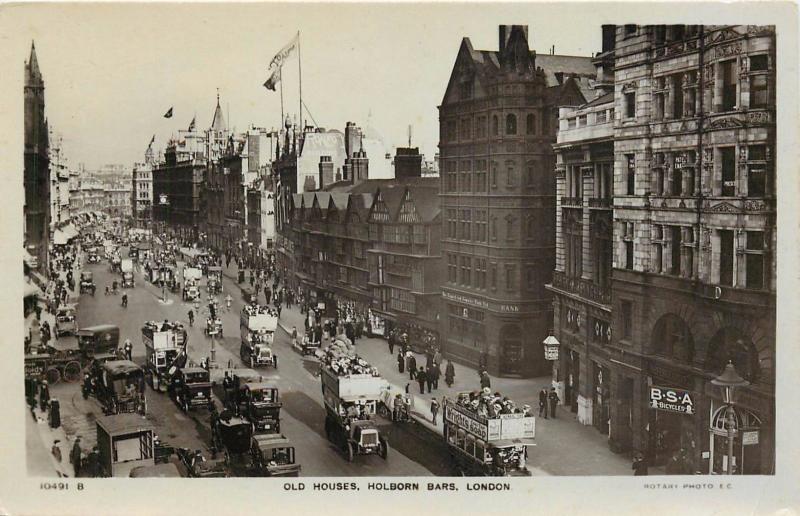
564	446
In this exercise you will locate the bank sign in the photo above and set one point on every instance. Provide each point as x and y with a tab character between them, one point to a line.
671	400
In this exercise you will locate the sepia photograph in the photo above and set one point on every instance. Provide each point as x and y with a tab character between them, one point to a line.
403	242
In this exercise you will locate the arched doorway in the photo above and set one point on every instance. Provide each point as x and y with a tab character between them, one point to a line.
731	344
510	350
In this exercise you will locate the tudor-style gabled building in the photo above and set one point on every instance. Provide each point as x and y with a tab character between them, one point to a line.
498	121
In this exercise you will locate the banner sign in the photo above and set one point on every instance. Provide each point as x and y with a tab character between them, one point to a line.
671	400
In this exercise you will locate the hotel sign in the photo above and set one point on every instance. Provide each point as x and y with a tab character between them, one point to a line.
466	300
671	400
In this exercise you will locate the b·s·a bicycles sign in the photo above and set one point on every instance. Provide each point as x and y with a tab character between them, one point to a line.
671	400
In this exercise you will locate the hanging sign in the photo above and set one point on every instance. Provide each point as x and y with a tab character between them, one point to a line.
671	400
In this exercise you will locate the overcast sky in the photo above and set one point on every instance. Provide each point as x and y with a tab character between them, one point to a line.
112	71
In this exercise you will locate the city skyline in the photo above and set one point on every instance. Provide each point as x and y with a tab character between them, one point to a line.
130	92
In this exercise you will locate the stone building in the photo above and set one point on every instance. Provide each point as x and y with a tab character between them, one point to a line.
178	190
497	125
142	195
694	241
36	209
584	230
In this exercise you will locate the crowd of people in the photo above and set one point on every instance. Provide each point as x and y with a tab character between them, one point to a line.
490	405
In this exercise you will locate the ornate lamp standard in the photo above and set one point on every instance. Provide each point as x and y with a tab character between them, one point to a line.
729	380
551	345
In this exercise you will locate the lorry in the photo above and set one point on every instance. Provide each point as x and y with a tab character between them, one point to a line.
351	401
214	284
124	442
258	325
487	446
164	345
126	266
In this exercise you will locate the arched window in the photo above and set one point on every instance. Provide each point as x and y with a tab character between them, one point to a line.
530	124
495	126
672	338
511	124
730	344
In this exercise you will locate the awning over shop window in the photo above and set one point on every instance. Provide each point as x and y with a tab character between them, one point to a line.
59	237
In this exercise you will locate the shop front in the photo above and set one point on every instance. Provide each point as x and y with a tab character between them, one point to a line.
672	419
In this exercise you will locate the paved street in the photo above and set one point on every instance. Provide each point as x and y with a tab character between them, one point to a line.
302	414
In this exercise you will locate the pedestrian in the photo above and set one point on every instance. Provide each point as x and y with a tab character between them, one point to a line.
639	465
411	365
543	403
486	382
391	343
429	378
437	356
55	450
401	362
421	378
75	455
434	410
93	463
449	373
553	397
437	372
128	349
44	395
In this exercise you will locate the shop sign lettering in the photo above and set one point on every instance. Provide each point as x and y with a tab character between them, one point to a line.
461	420
509	308
749	438
671	400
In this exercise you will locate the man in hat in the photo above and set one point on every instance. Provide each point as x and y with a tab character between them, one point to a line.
75	455
543	403
553	398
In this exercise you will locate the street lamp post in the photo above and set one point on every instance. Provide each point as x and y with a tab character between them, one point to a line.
729	380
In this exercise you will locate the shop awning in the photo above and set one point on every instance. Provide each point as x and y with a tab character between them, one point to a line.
59	237
70	231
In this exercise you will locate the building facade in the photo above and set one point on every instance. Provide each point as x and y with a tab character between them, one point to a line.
142	195
118	198
694	241
178	189
497	126
581	287
37	165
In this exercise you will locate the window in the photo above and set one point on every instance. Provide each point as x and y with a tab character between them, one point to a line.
677	95
466	176
452	223
573	242
600	117
627	319
493	174
493	227
582	121
530	174
493	276
630	105
726	253
660	34
601	243
531	277
530	123
420	234
510	277
675	237
480	273
629	255
510	233
728	155
546	121
480	225
466	270
480	129
452	268
728	77
480	175
451	131
754	257
495	126
466	129
511	124
759	63
759	94
510	176
402	300
466	90
757	172
691	94
630	177
571	123
466	224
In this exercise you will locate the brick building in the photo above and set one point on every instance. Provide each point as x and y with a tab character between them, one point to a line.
178	190
695	240
497	125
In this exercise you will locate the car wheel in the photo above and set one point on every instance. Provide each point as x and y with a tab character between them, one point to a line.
383	449
350	452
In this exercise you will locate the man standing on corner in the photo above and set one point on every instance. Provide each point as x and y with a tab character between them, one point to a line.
553	397
543	403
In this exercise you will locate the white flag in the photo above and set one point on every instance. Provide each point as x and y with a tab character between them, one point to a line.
277	62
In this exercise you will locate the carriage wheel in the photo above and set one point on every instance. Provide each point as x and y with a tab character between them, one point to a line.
72	372
53	376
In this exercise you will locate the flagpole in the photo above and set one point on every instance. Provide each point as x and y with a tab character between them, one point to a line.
282	116
300	76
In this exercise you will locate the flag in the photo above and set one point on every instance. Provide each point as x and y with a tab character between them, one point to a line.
277	62
168	114
191	126
273	80
152	140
